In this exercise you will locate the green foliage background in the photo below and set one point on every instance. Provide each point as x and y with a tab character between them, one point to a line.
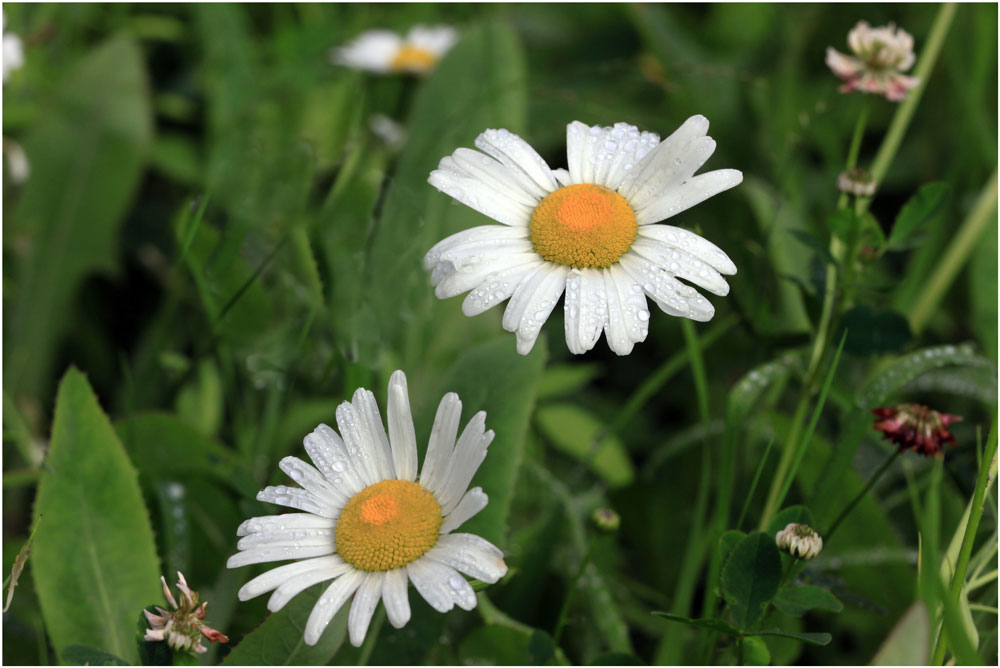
213	250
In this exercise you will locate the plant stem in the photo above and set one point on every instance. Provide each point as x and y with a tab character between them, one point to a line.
573	585
975	514
787	455
857	499
901	120
372	637
958	252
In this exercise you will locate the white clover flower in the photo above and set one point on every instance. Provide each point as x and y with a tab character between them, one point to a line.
183	626
857	181
384	51
13	51
587	231
799	540
370	524
883	54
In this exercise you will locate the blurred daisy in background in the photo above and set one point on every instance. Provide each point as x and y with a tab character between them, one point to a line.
384	51
13	51
587	231
882	55
370	524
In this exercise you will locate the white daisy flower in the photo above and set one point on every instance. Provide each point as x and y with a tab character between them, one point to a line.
587	230
384	51
13	51
370	524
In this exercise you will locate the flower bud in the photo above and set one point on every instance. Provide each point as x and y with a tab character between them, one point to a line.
857	181
606	520
799	540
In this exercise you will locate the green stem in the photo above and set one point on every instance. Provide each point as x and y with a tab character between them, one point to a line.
904	114
787	455
857	499
573	585
975	514
954	257
372	638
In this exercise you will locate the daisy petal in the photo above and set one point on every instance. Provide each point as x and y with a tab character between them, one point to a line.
378	446
692	128
605	155
668	169
261	555
426	579
289	538
697	246
276	576
442	442
395	598
480	196
538	306
465	278
311	480
401	434
520	157
615	329
329	603
682	265
473	501
293	497
693	191
593	303
293	586
474	556
498	286
327	451
469	454
672	296
365	599
356	439
490	171
286	521
484	234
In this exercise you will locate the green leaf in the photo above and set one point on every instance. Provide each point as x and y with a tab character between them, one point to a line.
790	515
872	332
909	642
617	659
87	151
815	243
94	562
982	286
727	541
709	624
541	647
199	403
491	376
163	447
561	379
480	84
85	655
751	577
842	223
797	601
811	638
572	431
151	653
755	652
278	641
921	208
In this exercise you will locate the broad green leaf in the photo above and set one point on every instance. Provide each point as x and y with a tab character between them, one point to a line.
755	652
811	638
541	648
751	577
573	430
921	208
790	515
495	645
94	563
815	243
199	403
617	659
278	641
480	84
717	625
561	379
87	149
727	542
84	655
871	331
163	447
797	601
909	642
493	377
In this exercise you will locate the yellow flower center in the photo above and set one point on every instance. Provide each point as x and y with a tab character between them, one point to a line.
584	225
388	525
413	59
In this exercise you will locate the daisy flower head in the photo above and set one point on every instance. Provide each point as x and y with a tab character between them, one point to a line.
370	523
384	51
881	55
589	231
13	51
